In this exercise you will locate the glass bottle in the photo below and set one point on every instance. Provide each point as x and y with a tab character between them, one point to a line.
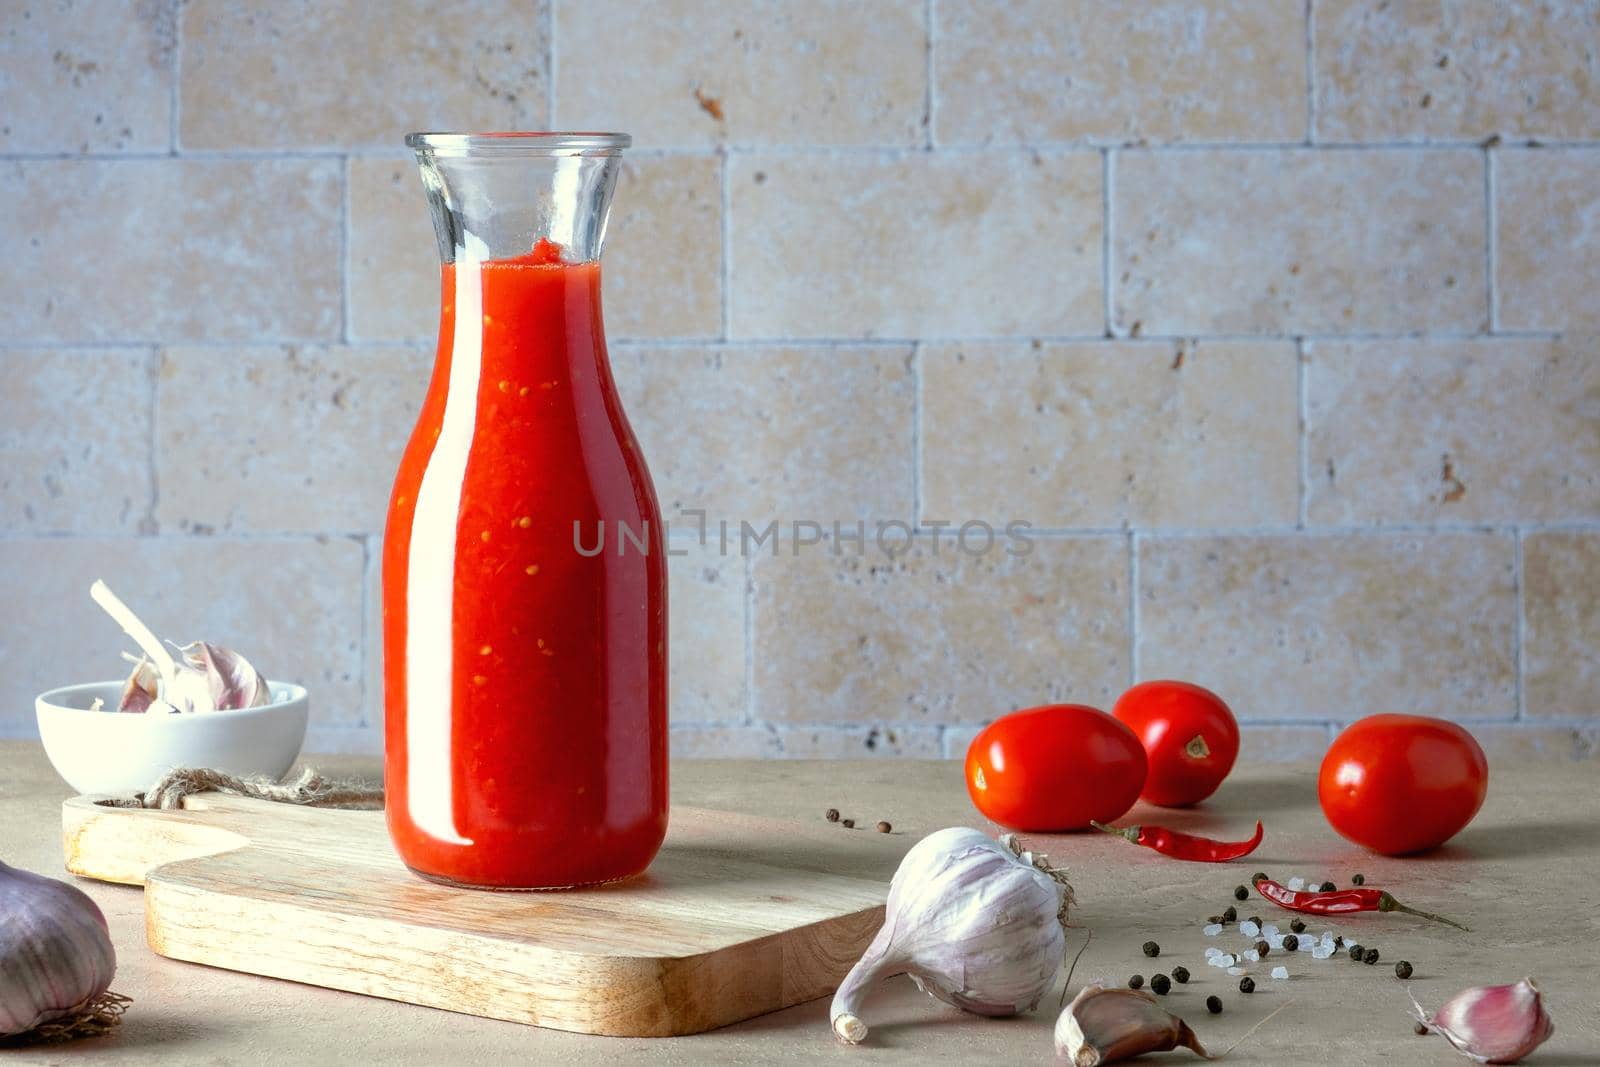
525	674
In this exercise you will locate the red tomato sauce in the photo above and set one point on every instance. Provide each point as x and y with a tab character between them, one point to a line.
525	682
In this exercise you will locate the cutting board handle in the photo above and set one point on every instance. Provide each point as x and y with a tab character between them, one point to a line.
123	845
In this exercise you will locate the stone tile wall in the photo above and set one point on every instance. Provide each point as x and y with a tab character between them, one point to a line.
1274	319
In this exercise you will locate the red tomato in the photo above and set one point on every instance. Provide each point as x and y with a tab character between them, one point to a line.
1054	768
1402	783
1189	735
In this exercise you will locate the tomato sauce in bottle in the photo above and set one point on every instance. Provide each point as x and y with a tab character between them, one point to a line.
524	573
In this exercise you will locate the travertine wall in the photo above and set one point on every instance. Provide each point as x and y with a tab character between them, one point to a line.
1269	316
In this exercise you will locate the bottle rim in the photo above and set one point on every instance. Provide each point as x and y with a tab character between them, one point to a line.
518	142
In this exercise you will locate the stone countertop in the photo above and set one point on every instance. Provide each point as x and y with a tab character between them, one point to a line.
1525	876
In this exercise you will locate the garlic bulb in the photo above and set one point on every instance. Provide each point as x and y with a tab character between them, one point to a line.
1107	1025
1493	1024
56	959
976	923
205	677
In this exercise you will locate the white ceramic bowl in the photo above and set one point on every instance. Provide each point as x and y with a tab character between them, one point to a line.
110	753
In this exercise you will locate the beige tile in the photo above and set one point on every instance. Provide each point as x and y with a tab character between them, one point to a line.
655	286
315	73
343	741
1561	572
1119	71
169	249
1004	243
292	607
75	440
923	639
705	634
1291	241
86	77
755	433
1497	430
887	740
1111	434
1319	627
724	742
1521	741
1456	71
703	72
1281	744
283	438
1547	214
663	205
957	739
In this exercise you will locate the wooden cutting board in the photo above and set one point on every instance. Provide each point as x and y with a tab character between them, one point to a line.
738	916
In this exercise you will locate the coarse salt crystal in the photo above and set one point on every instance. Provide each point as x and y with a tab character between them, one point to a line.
1280	972
1297	883
1213	930
1276	941
1249	929
1251	955
1322	952
1235	971
1270	931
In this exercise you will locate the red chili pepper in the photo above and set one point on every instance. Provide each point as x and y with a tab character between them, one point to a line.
1339	902
1184	846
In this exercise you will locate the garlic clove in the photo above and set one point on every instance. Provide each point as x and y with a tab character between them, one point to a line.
232	681
56	957
141	689
974	922
1107	1025
1493	1024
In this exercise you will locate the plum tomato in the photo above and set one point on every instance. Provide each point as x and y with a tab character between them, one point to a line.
1189	735
1055	768
1398	784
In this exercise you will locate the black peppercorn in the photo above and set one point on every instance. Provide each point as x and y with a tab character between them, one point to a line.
1298	926
1262	948
1259	876
1338	941
1160	984
1230	913
1358	879
832	815
1420	1029
1291	943
1214	1005
1241	893
1215	919
884	827
1136	982
848	824
1152	949
1370	956
1181	975
1402	969
1255	919
1355	953
1247	984
1328	887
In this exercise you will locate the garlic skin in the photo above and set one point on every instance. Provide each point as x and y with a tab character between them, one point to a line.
55	952
1106	1025
976	923
1492	1024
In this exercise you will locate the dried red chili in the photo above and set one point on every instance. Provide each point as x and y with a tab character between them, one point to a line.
1184	846
1339	902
